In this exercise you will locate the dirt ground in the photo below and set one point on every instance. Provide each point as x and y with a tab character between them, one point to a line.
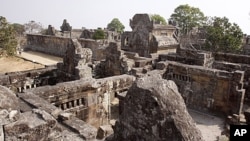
210	126
13	64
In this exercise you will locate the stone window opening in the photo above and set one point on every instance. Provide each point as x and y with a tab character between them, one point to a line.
77	102
62	107
126	41
83	101
67	104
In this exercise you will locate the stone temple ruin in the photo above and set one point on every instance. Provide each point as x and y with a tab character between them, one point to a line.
145	83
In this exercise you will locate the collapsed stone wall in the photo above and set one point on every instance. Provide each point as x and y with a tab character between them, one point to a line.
116	62
208	89
75	62
29	117
189	56
89	99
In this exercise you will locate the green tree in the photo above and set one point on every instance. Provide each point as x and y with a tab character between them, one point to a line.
158	18
188	17
99	34
18	28
8	40
115	24
221	35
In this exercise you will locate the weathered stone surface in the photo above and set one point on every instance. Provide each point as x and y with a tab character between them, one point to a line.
154	111
51	31
31	126
147	36
38	102
116	62
1	133
75	62
208	89
104	131
87	131
9	109
247	115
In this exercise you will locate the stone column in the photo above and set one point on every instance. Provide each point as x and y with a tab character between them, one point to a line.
1	133
75	103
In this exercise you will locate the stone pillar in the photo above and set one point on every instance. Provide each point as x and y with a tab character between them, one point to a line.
80	101
1	133
65	106
70	105
19	89
75	103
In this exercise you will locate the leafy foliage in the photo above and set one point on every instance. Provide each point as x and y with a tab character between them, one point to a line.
8	40
223	36
115	24
99	34
33	27
188	17
18	28
65	26
159	19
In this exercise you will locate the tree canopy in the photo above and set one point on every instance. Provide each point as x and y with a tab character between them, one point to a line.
221	35
158	18
115	24
18	28
99	34
33	27
8	40
188	17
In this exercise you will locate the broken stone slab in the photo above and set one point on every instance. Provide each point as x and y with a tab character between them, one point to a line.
9	106
32	125
47	117
38	102
8	99
104	131
87	131
162	65
65	116
156	111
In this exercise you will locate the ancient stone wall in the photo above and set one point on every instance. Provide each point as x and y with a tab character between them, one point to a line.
88	99
29	117
191	57
48	44
58	45
208	89
233	62
20	81
233	58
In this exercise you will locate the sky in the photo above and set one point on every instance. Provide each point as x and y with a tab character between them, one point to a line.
92	14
